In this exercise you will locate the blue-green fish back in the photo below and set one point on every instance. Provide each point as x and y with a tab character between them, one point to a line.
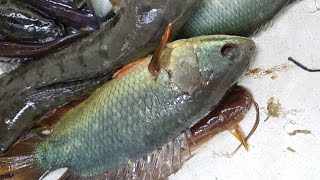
233	17
135	113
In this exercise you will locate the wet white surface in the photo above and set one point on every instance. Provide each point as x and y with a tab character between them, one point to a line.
295	32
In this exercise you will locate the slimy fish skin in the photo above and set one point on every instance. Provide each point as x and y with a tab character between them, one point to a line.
136	113
133	33
233	17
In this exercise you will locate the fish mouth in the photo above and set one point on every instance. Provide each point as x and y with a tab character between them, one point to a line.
248	47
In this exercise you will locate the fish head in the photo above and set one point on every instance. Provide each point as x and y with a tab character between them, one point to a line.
207	65
222	59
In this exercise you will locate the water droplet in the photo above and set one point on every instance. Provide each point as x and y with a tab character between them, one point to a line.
103	47
46	132
125	46
7	121
148	16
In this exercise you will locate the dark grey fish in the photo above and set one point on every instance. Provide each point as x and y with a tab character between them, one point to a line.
133	33
22	25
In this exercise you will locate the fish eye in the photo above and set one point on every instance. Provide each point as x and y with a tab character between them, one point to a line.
229	51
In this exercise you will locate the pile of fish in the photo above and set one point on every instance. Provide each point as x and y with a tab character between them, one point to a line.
139	91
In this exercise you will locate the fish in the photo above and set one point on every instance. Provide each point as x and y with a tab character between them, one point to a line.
47	18
233	17
19	50
133	33
138	111
32	29
74	19
25	26
231	109
169	158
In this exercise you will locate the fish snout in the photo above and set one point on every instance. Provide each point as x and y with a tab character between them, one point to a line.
248	47
238	51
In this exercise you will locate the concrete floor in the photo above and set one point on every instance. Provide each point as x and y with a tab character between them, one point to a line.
295	32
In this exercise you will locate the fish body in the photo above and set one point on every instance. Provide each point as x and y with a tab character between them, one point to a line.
133	33
136	113
231	109
73	19
23	25
234	17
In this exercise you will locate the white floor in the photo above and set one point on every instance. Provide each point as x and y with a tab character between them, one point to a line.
295	32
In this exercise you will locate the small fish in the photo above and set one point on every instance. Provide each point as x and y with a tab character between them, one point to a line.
77	19
32	29
233	17
230	110
225	116
20	50
25	26
139	111
132	34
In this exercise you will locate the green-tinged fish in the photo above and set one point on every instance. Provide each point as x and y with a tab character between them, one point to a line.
132	33
137	111
234	17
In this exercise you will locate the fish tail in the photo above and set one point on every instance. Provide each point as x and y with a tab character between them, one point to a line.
18	163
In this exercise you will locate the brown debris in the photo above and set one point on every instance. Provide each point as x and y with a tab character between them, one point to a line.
274	107
290	149
272	71
295	132
254	71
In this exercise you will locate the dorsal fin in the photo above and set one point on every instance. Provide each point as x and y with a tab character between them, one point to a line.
154	66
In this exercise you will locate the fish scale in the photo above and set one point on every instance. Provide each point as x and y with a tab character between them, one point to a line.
235	17
136	112
117	101
84	62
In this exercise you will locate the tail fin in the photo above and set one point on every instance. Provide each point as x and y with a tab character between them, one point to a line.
18	163
19	167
